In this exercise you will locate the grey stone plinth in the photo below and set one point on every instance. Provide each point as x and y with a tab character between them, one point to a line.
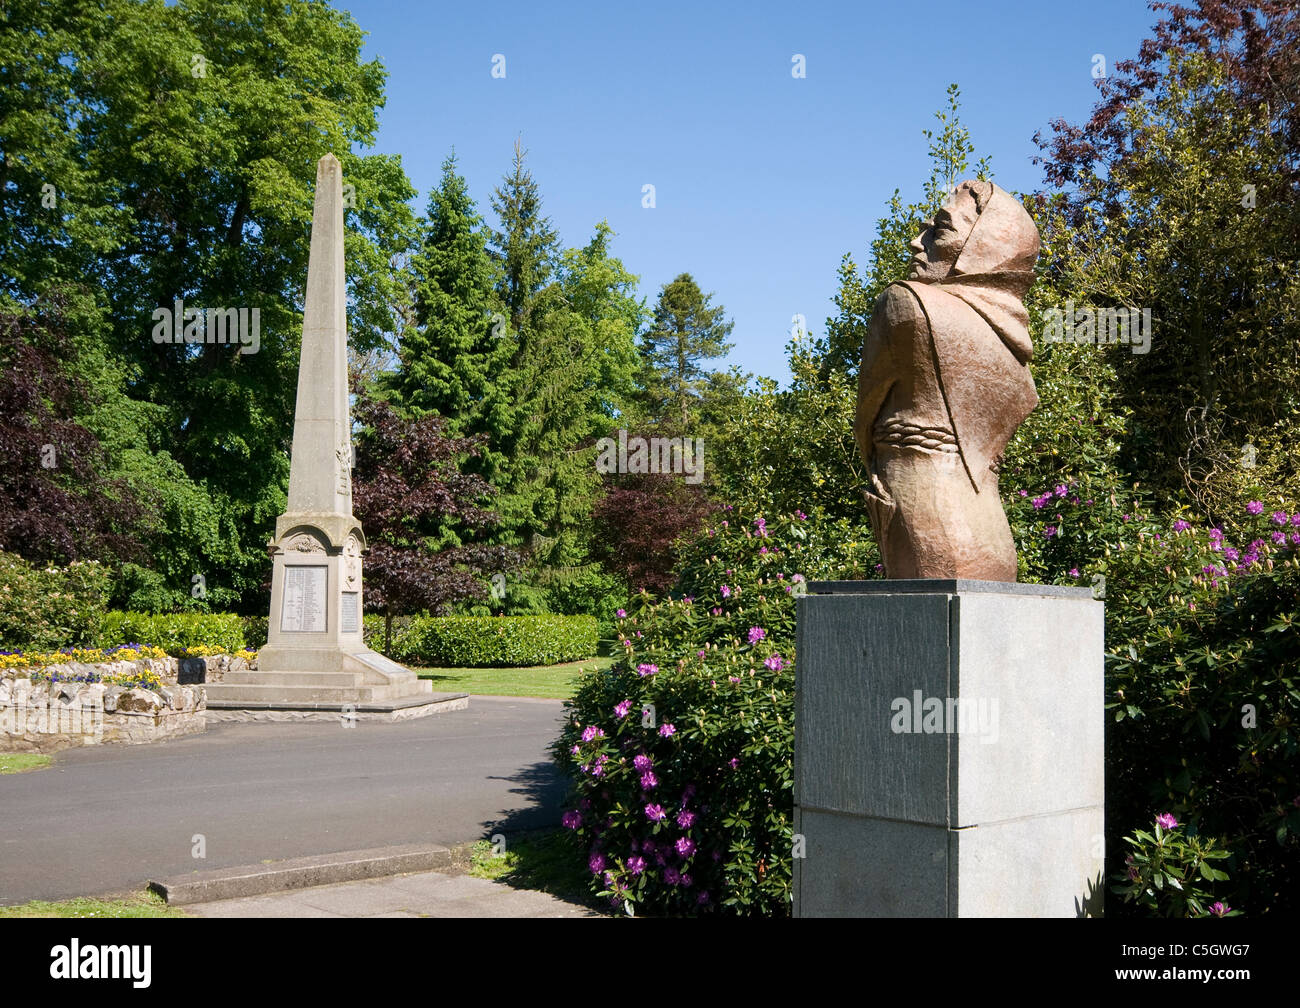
948	750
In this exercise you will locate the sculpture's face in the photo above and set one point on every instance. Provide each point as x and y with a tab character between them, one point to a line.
938	246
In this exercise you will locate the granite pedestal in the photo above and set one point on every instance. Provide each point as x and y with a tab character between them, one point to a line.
948	750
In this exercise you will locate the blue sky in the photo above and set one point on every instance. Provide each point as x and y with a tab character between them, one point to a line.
762	181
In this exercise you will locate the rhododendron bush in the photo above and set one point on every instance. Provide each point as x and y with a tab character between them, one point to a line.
1202	687
681	752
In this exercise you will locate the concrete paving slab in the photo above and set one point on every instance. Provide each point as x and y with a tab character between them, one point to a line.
423	894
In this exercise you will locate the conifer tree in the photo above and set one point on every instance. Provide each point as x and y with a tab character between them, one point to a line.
687	331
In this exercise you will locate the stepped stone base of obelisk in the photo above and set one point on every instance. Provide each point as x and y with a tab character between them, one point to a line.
948	750
327	681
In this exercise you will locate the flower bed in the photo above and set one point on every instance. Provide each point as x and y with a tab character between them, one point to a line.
57	700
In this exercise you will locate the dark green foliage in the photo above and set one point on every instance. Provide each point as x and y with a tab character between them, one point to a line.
588	591
451	357
176	184
496	641
1203	681
720	693
687	330
1170	872
255	631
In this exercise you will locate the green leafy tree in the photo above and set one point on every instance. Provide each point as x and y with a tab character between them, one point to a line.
181	143
1181	197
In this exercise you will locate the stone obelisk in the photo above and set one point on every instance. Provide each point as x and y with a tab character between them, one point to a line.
315	657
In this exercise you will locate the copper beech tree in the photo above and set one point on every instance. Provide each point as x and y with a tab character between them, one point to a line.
415	504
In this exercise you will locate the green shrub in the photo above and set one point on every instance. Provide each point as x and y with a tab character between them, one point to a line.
1203	682
373	632
1165	873
682	751
255	631
496	641
173	632
52	607
1202	675
593	592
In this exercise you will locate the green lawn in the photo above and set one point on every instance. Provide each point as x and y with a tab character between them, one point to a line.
19	762
146	904
554	682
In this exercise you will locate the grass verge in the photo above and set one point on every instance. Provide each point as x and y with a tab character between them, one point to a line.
552	682
22	762
145	904
541	860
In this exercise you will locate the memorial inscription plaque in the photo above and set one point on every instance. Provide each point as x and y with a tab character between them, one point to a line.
303	610
349	622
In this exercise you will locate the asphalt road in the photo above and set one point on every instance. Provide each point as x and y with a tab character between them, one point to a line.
107	818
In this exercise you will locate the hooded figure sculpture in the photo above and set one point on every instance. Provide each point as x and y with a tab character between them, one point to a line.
943	387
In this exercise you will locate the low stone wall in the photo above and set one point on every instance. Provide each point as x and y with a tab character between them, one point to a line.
43	717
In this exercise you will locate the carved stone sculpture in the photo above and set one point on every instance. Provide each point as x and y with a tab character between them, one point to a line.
943	387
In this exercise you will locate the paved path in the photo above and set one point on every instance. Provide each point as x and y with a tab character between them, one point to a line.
424	894
105	819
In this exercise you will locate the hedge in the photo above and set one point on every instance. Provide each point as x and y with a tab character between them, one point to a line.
173	631
496	641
